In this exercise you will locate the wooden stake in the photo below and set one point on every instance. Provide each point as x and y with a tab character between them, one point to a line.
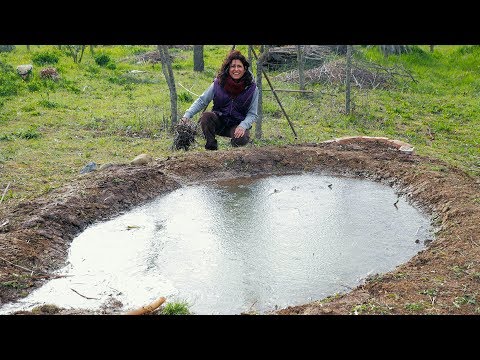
275	94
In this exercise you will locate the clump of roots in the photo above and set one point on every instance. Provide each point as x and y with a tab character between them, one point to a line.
185	132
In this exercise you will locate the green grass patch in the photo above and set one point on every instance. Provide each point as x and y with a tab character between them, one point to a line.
95	112
176	308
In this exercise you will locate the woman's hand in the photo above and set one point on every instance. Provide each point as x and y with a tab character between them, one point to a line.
239	132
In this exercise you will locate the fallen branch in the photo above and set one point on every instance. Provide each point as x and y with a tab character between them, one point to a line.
4	192
5	223
191	92
471	239
148	308
42	276
19	266
290	90
49	276
86	297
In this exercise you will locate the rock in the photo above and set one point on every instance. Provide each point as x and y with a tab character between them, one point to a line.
406	149
105	166
141	159
91	166
24	70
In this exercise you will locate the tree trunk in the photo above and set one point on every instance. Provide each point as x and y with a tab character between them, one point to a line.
301	75
198	63
431	48
394	49
81	53
258	126
250	56
347	79
168	73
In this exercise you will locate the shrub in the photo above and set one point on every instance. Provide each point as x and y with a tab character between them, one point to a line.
6	48
45	58
102	59
185	97
49	73
9	80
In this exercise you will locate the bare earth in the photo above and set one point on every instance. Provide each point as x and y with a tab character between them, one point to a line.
442	279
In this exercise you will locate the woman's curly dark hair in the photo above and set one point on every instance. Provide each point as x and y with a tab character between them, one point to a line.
223	72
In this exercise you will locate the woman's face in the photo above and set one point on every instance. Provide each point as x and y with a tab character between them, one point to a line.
237	69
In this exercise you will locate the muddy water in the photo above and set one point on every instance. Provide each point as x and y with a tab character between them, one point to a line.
246	245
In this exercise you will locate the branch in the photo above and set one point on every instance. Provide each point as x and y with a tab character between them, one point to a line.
191	92
290	90
19	266
4	192
86	297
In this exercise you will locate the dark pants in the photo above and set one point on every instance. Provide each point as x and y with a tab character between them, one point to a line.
213	125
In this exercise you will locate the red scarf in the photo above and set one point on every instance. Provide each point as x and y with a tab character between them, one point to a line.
234	87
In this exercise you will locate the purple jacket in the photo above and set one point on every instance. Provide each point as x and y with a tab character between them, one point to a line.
232	111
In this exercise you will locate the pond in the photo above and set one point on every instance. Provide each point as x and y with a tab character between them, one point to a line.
244	245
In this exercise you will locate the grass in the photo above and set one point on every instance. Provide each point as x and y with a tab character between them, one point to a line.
176	308
105	113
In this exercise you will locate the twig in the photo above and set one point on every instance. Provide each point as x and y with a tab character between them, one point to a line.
250	308
290	90
5	223
4	192
191	92
86	297
471	239
19	266
44	275
51	276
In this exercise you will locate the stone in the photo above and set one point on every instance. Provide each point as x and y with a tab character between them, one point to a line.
141	159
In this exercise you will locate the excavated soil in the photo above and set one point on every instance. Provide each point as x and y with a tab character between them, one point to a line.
444	278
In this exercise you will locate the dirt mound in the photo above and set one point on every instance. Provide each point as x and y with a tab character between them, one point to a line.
442	279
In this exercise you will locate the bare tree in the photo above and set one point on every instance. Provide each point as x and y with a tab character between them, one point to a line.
394	49
76	52
301	75
168	73
347	79
258	126
198	63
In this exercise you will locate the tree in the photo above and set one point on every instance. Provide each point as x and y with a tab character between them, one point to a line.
347	79
168	73
258	126
198	63
394	49
76	52
300	60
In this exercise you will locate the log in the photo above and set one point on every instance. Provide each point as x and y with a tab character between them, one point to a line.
148	308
